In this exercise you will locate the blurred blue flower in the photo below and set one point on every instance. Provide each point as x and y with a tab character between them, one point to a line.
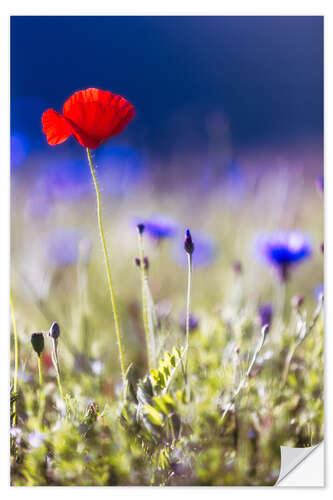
319	291
235	183
120	169
19	149
64	245
204	251
320	183
159	227
193	322
265	312
284	249
67	180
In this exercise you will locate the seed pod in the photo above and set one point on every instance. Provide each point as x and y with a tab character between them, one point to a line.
37	341
54	331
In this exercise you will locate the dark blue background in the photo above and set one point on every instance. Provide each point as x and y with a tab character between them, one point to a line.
265	73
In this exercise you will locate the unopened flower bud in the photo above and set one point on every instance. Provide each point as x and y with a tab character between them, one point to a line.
137	262
188	243
54	331
141	228
237	267
297	301
37	341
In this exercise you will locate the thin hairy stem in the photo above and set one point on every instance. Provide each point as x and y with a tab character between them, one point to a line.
15	356
188	302
305	331
144	286
248	371
108	270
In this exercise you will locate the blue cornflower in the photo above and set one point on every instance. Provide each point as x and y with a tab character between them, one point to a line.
160	227
284	249
203	255
265	312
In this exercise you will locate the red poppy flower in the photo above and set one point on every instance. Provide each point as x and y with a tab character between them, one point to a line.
91	115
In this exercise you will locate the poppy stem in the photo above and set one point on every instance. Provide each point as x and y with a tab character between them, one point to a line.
188	300
15	357
108	271
144	285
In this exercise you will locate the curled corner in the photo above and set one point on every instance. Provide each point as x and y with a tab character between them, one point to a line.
291	458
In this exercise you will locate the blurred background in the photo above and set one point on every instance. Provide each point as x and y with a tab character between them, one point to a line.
194	81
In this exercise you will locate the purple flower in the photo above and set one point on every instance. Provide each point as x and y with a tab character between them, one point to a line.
320	183
65	181
193	322
203	255
160	227
64	245
284	249
68	180
265	312
319	291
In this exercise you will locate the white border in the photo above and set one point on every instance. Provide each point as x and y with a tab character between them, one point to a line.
144	7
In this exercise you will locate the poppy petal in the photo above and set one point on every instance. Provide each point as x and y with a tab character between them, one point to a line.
56	127
96	115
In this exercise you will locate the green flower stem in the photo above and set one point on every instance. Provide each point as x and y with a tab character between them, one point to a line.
15	356
188	301
247	374
55	360
60	386
108	271
144	285
40	374
306	330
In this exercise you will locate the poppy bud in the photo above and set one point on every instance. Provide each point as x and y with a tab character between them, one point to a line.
188	243
137	262
37	341
54	331
141	228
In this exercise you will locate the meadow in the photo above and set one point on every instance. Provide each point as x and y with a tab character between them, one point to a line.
214	411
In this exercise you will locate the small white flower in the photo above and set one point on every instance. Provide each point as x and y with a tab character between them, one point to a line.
36	439
97	366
